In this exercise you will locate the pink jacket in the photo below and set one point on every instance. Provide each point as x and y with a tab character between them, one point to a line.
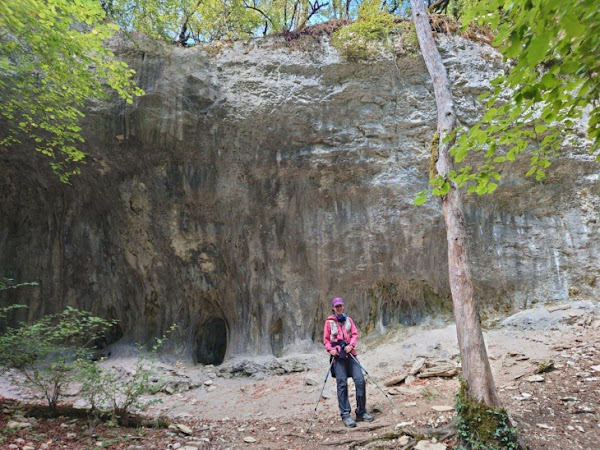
339	331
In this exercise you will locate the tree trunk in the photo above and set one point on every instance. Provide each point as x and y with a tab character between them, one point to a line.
475	363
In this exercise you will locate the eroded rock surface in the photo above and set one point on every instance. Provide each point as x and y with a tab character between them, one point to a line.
254	182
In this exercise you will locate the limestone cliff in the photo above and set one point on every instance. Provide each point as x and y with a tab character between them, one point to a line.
254	182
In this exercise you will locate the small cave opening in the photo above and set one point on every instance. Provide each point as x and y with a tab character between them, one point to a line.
211	343
276	338
385	315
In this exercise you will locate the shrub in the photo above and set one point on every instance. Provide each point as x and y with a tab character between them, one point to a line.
362	39
45	350
109	389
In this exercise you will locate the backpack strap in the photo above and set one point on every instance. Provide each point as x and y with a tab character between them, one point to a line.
333	331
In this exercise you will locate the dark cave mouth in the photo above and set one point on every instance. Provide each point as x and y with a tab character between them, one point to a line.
211	343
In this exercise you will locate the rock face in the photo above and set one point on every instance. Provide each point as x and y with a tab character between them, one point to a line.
254	182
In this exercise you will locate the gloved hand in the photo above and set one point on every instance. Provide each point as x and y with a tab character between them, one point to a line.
333	352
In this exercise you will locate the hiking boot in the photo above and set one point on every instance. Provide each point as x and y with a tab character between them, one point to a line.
349	422
366	417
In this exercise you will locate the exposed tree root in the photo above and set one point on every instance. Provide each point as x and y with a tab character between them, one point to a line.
371	427
416	434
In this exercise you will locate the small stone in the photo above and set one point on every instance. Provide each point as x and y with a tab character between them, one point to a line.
403	440
208	382
442	408
13	447
310	381
71	436
272	429
544	426
211	388
395	380
410	404
249	440
409	380
404	425
28	447
596	368
176	445
428	445
535	378
570	428
377	408
18	425
579	428
184	429
558	307
417	366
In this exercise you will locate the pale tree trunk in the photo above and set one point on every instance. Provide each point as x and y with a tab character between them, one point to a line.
475	363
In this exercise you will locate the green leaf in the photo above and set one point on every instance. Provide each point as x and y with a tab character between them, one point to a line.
536	51
419	200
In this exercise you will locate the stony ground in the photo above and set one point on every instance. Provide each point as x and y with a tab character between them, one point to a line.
245	404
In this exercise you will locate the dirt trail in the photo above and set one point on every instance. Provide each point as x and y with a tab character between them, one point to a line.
274	411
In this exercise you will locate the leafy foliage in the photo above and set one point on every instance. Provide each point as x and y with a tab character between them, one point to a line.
45	350
9	283
52	59
191	21
362	39
185	21
107	388
554	47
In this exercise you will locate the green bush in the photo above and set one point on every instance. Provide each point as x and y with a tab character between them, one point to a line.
44	352
363	38
108	389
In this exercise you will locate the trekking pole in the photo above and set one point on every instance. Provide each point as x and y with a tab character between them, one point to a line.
320	395
375	383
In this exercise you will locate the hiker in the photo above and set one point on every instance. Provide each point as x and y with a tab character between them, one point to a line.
340	337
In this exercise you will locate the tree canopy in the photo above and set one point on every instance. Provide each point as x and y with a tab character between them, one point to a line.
554	51
52	59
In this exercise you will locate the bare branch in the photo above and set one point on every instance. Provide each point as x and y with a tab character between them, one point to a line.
314	8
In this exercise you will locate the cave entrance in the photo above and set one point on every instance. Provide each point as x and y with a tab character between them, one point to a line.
211	344
276	338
